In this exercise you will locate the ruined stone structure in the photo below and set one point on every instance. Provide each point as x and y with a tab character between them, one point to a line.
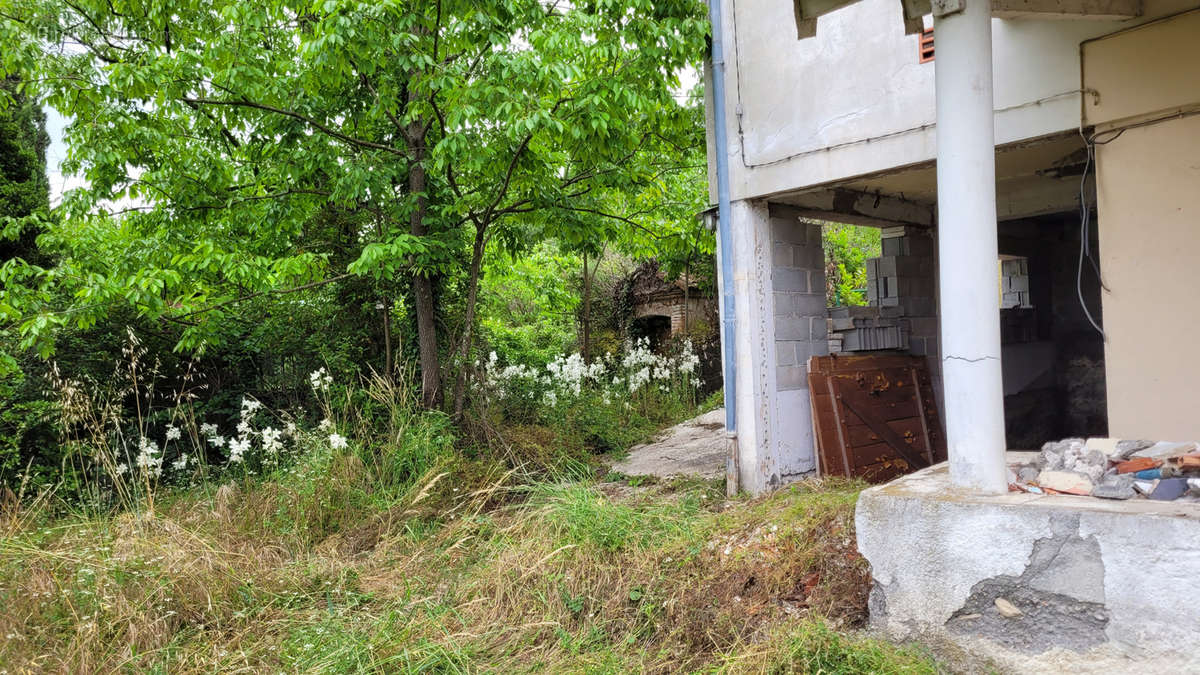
661	309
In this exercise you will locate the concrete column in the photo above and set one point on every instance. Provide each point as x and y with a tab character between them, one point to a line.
779	293
966	179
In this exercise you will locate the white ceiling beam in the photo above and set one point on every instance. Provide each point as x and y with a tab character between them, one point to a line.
1101	10
842	205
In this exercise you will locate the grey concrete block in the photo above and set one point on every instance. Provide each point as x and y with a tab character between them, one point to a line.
820	330
785	353
803	351
785	304
926	325
789	231
790	279
791	377
812	257
810	304
886	266
918	306
916	345
781	255
792	328
921	245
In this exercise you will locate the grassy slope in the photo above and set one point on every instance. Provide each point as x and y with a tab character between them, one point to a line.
573	576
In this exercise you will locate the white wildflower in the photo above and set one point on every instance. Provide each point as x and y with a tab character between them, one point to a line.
337	441
638	378
181	463
148	460
249	405
289	430
270	439
237	449
243	428
217	441
320	380
122	469
325	425
173	433
208	430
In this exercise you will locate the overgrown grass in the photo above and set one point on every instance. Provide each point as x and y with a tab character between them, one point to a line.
467	570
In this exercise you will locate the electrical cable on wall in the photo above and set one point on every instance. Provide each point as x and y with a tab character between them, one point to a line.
1085	218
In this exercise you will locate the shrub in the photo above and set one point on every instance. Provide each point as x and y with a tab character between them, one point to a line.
607	404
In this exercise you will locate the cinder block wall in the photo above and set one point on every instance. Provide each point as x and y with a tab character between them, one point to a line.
798	284
798	295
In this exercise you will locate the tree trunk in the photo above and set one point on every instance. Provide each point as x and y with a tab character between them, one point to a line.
586	347
387	340
431	370
464	347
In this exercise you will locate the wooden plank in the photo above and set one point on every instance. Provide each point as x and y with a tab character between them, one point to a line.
861	434
873	415
890	412
924	424
860	404
839	424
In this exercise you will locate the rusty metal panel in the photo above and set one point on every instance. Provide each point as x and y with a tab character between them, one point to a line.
874	415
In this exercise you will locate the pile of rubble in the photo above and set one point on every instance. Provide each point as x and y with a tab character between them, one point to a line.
1113	469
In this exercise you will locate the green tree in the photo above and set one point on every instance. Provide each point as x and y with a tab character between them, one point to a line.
236	128
847	248
24	202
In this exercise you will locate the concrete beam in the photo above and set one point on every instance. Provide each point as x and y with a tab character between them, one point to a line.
859	208
1100	10
1031	196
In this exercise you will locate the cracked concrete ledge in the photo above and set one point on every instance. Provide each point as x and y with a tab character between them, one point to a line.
1096	584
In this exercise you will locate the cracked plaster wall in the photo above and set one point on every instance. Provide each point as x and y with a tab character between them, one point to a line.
1086	575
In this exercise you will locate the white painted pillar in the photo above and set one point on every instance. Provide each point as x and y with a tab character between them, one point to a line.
968	276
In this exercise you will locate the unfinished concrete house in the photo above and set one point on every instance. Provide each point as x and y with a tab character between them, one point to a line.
1035	168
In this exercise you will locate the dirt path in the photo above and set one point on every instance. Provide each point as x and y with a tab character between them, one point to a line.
696	447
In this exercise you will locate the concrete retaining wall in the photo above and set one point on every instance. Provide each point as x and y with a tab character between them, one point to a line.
1098	584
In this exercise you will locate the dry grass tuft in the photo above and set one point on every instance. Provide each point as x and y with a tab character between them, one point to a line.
470	569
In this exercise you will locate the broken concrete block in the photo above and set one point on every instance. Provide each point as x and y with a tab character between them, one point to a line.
1138	464
1027	473
1126	448
1169	489
1106	445
1194	486
1007	609
1069	482
1165	449
1115	487
1049	459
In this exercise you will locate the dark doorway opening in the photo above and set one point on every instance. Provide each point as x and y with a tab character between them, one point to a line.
656	329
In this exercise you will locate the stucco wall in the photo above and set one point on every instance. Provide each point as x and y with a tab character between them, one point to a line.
802	111
1149	224
1149	212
